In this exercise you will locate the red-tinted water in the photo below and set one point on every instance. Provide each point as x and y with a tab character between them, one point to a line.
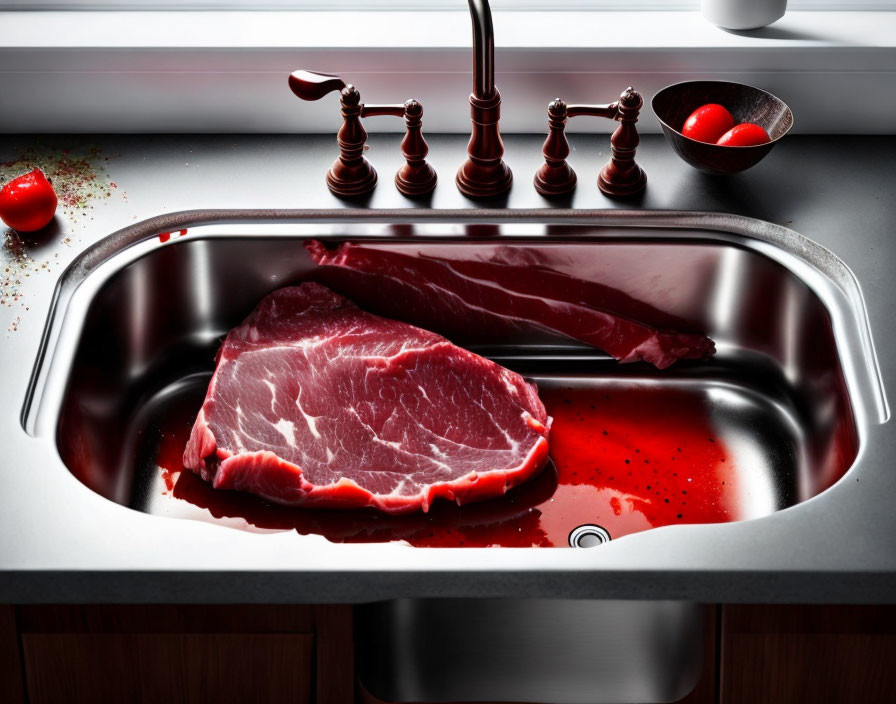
637	459
627	460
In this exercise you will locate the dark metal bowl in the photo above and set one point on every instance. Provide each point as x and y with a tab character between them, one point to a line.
673	104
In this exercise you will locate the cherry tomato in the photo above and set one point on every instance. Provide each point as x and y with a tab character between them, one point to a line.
28	202
707	123
745	134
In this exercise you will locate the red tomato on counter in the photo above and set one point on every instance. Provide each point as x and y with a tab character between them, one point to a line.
707	123
744	135
28	202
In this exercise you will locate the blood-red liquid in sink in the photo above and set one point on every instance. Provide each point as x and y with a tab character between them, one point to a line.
626	459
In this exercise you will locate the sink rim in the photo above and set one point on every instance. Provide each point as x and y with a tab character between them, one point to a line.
865	384
285	565
130	244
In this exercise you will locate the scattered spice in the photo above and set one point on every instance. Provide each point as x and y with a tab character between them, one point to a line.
17	266
79	179
77	175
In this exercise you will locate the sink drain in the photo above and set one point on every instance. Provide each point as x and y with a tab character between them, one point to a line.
588	536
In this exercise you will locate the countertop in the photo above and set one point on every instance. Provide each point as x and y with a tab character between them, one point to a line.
838	191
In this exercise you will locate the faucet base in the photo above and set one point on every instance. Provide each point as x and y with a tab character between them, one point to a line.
616	185
555	180
414	181
351	181
483	181
484	174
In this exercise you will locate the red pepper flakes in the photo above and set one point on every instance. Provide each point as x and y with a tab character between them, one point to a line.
76	173
79	180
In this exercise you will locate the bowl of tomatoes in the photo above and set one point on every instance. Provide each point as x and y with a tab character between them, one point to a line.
720	127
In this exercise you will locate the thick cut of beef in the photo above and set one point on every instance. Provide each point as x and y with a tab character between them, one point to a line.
499	299
315	401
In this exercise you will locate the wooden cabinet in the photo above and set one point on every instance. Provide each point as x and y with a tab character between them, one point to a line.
12	689
798	654
167	667
304	654
167	654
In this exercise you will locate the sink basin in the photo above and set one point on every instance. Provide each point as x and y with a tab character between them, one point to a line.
778	416
766	423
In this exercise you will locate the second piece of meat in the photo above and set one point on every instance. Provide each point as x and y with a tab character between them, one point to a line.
499	298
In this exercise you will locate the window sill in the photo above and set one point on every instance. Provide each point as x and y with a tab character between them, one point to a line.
226	71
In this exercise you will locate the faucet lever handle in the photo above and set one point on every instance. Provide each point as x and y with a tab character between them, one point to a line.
556	177
351	174
621	176
310	85
416	177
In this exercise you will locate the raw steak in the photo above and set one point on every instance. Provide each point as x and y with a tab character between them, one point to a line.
499	300
315	401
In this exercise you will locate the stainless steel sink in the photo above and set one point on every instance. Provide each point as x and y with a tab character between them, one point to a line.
143	328
529	650
792	392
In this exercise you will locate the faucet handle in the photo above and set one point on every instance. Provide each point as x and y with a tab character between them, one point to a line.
310	85
621	176
351	174
556	177
417	177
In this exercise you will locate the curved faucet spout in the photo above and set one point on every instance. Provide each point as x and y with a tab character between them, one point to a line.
483	49
484	174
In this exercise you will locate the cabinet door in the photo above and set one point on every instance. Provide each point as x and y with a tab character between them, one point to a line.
165	653
799	654
10	666
163	667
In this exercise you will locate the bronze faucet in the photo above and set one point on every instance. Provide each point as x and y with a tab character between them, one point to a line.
351	174
622	176
484	174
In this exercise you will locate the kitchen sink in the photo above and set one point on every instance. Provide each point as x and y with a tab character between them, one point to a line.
781	412
772	406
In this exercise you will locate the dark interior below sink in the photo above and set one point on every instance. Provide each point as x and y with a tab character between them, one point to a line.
763	425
